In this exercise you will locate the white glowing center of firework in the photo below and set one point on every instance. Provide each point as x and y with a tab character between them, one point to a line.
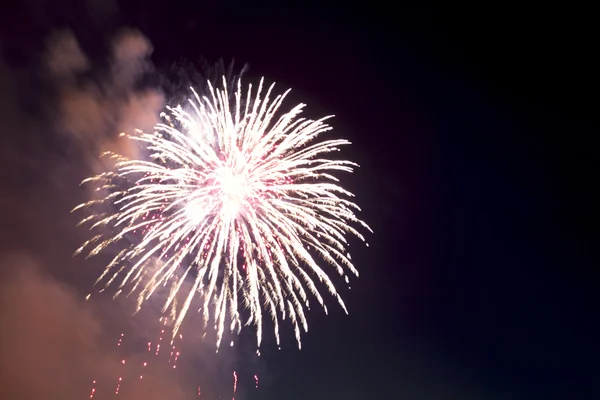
233	190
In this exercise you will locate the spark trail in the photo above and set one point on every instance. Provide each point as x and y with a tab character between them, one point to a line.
237	206
152	352
235	379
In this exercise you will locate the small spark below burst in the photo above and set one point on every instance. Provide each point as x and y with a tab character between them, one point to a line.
93	390
174	357
119	385
235	379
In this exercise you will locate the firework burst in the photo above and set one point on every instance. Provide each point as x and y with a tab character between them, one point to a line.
236	206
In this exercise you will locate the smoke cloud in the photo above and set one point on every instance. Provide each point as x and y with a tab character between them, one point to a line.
54	122
50	343
94	112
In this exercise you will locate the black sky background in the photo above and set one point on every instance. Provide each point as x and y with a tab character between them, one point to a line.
476	132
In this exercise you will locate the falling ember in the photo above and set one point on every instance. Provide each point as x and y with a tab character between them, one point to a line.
256	380
93	390
231	180
118	385
234	384
174	357
199	391
175	360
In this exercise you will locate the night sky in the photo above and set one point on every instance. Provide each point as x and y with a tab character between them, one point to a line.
474	129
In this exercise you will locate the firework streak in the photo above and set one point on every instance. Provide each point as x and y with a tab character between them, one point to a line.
236	205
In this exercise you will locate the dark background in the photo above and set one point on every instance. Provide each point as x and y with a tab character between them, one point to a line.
475	128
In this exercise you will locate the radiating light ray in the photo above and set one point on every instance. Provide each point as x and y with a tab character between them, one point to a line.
237	194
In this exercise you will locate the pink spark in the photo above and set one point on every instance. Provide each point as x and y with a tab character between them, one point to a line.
234	384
